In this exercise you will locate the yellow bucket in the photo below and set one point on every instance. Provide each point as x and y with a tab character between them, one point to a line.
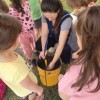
49	78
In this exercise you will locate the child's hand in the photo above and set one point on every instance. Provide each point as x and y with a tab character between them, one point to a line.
42	54
75	55
40	90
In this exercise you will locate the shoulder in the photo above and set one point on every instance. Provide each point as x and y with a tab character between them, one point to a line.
74	70
69	79
19	58
74	18
66	14
7	71
68	76
66	24
66	20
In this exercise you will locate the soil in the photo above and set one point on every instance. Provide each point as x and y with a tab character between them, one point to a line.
41	62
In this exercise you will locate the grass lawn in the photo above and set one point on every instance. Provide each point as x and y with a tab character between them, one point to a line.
49	92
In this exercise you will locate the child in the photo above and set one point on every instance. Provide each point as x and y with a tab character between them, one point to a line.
21	10
13	69
78	6
85	85
4	9
36	15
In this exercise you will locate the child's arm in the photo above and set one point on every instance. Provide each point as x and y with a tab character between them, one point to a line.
32	86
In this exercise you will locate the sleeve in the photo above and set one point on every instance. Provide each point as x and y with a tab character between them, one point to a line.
66	24
44	19
20	74
67	81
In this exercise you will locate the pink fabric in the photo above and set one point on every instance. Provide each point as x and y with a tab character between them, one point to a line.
28	44
69	78
27	36
2	89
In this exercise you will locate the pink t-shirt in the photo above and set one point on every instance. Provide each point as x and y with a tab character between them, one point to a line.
69	78
26	19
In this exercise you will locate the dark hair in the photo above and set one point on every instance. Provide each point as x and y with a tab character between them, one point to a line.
88	28
17	5
78	3
3	6
53	6
10	28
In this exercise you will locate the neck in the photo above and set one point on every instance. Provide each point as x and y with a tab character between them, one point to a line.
5	53
6	56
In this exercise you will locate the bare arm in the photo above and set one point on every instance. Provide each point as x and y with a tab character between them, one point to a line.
32	86
44	34
61	44
62	40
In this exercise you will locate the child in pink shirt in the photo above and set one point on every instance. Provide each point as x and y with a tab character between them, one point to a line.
82	80
21	10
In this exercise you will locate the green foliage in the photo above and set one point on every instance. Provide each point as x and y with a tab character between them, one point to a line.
65	6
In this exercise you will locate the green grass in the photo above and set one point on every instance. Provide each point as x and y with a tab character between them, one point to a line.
49	92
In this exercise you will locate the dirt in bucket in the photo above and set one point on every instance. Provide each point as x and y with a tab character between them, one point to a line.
41	62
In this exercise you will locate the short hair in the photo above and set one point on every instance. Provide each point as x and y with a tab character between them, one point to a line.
3	6
78	3
10	28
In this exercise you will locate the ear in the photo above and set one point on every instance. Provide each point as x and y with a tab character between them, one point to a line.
91	4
